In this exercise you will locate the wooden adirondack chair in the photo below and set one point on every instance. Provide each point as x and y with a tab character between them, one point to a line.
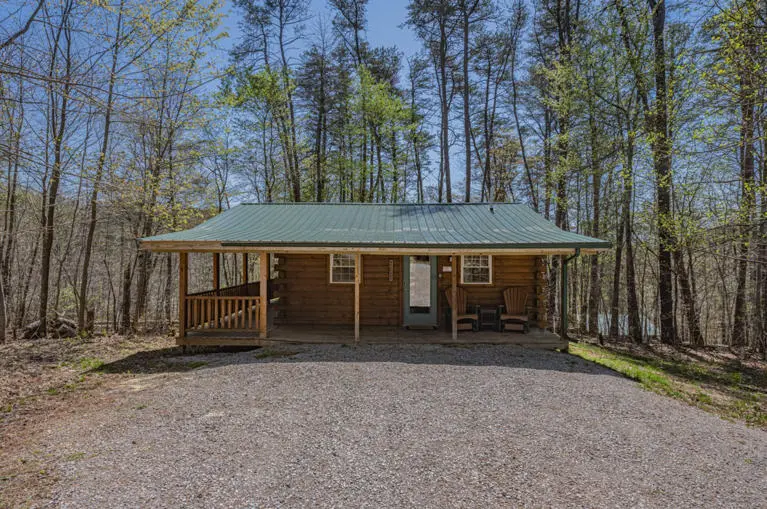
468	319
514	310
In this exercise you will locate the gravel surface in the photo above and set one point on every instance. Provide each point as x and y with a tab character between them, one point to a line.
393	426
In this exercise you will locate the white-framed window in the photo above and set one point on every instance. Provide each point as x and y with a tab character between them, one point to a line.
477	269
342	268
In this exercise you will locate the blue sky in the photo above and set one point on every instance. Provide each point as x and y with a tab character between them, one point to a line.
385	18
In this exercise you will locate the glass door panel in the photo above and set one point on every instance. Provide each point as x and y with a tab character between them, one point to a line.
420	289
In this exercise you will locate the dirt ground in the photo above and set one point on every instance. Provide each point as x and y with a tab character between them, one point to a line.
48	380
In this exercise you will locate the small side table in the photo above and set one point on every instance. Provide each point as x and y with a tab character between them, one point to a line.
488	318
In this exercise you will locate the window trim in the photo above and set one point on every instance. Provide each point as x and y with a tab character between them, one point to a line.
330	269
490	267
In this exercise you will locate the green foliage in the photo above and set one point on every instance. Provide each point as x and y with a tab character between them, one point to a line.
265	87
90	364
67	300
649	376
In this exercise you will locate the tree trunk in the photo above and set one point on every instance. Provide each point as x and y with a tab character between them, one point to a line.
632	302
292	153
688	300
615	317
88	248
466	117
444	111
125	312
486	177
762	265
661	148
520	138
739	332
380	194
2	312
560	207
21	313
58	128
596	175
395	187
320	142
547	177
7	247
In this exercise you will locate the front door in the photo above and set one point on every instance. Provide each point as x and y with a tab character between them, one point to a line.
420	288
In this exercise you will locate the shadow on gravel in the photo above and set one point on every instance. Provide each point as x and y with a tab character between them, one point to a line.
169	360
166	360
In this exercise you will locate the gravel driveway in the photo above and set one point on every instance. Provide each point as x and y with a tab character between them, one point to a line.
390	426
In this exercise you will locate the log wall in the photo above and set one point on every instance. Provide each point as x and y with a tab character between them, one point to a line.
307	296
507	271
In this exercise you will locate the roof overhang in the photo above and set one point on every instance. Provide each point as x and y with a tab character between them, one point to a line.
240	247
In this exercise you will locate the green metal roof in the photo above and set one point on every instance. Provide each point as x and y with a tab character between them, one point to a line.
456	225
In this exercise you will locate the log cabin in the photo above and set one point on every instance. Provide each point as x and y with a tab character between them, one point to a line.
351	272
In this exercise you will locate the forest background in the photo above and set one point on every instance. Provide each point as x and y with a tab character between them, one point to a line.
638	121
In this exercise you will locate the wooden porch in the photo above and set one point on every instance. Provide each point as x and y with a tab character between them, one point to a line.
240	309
373	335
259	311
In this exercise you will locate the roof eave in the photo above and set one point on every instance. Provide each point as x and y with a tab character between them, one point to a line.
380	248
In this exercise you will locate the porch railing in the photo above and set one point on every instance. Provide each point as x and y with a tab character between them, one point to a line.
235	308
248	289
234	313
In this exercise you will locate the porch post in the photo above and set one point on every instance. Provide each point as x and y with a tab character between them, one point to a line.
244	268
563	297
357	278
216	271
182	285
454	295
263	302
